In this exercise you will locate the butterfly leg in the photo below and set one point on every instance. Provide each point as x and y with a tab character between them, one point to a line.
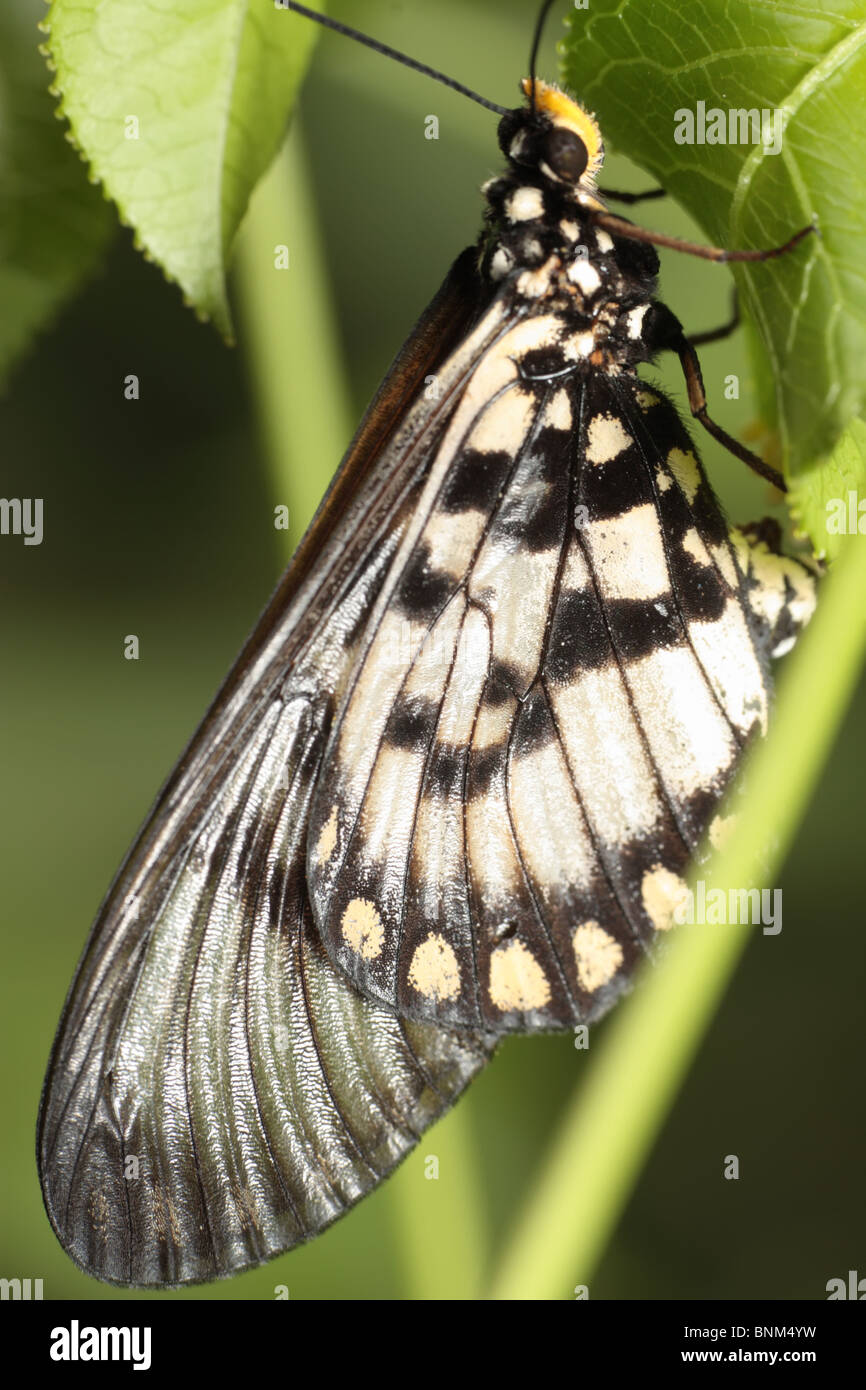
620	226
667	334
715	335
612	195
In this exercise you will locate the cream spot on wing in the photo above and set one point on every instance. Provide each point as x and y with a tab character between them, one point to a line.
606	439
689	737
663	479
525	204
722	557
366	713
606	756
583	274
570	230
554	844
558	413
603	242
726	651
721	829
494	724
504	423
327	842
662	892
490	845
452	538
576	573
389	804
434	971
517	981
514	587
427	653
646	399
741	548
634	320
597	955
685	469
362	929
694	546
629	555
495	370
466	682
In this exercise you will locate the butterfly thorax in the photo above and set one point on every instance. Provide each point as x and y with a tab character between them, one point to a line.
540	236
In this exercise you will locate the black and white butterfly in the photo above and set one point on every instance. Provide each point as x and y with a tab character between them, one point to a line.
452	784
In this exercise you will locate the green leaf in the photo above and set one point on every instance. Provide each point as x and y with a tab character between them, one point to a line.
179	110
826	499
639	64
53	226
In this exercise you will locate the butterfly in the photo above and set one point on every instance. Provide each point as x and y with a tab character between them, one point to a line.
452	784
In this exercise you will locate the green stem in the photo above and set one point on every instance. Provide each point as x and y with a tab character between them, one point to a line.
576	1200
438	1213
291	338
305	419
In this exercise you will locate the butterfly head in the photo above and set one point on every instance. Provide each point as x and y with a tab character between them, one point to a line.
540	209
554	136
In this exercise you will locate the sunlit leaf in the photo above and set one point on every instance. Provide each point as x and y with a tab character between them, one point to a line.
639	65
178	111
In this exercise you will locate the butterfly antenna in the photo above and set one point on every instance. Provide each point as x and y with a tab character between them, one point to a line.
536	42
338	28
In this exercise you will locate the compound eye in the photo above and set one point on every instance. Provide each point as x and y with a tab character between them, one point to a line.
566	154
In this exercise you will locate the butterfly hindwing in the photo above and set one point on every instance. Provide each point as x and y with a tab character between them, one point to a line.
564	669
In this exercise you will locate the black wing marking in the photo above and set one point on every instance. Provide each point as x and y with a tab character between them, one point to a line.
563	669
217	1092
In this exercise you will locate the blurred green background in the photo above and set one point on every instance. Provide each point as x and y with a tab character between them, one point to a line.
159	522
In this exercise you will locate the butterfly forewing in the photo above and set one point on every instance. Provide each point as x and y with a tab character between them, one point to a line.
217	1091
